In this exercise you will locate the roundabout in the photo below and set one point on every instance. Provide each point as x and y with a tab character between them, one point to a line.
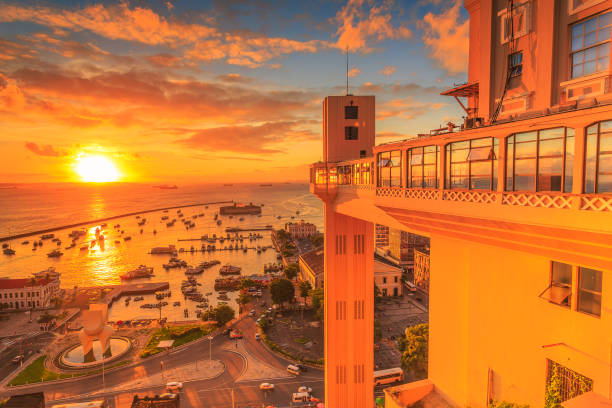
73	357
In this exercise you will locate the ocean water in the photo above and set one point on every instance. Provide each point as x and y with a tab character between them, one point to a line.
36	207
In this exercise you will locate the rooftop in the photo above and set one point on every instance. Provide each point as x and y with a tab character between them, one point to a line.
8	283
315	260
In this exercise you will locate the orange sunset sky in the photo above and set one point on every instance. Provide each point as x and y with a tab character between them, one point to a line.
191	91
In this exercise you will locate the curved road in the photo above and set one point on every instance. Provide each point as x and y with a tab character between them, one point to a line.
217	392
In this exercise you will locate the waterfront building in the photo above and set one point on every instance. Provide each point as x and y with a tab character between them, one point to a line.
28	293
402	245
311	267
301	229
382	236
516	201
421	270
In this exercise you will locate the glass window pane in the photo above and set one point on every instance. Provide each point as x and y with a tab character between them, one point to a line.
605	127
429	158
429	171
569	163
603	64
552	133
551	148
591	162
431	149
589	67
590	39
604	34
561	274
603	50
605	143
590	279
509	162
482	168
578	30
459	182
460	145
525	137
549	174
605	19
524	175
481	153
590	25
578	57
604	183
590	54
416	159
590	303
417	171
525	149
481	142
576	71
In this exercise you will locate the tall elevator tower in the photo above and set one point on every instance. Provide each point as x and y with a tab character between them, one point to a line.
348	133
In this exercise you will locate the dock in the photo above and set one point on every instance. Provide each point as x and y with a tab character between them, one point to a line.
236	229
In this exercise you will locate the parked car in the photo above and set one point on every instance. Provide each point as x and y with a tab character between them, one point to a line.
266	386
226	332
302	367
174	387
17	359
304	388
257	336
252	312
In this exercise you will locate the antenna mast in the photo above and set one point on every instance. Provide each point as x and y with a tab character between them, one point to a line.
347	70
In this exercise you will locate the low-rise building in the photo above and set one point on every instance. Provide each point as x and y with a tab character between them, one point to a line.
381	236
311	267
387	277
28	293
300	229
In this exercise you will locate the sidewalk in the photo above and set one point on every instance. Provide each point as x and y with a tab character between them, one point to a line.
255	368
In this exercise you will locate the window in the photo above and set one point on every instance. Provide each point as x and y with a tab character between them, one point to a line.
351	112
559	290
591	45
351	133
516	27
540	160
515	64
589	291
384	280
389	169
395	279
472	164
423	167
571	383
577	5
344	174
598	160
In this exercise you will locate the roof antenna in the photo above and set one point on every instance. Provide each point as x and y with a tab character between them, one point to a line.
347	70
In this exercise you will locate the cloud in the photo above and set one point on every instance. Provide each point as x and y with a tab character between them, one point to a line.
118	22
388	70
446	37
246	139
164	60
11	95
11	51
360	28
46	150
406	108
354	72
234	78
169	6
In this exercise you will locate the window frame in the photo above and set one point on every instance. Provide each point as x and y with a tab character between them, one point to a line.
510	172
448	165
350	111
410	154
348	133
592	292
512	69
548	295
583	49
380	181
595	169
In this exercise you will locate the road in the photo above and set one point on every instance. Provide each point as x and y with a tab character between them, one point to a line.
26	345
216	392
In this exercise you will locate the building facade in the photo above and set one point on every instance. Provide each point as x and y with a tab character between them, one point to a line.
382	236
311	267
517	203
300	229
28	293
421	270
402	245
388	278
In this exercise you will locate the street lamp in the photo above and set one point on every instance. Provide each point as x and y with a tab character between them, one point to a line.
210	338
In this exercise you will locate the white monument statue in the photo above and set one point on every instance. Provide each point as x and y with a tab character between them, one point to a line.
94	325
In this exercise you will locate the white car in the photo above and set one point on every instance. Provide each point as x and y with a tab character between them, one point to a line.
266	386
174	385
252	313
304	388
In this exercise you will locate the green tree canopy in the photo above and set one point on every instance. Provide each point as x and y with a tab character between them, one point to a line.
281	291
414	348
305	287
224	314
317	240
247	283
317	298
243	299
291	270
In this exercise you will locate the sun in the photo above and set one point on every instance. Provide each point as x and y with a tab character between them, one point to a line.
96	169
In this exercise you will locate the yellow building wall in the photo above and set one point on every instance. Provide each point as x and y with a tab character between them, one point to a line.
485	313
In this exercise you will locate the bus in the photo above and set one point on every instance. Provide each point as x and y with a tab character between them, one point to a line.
388	376
88	404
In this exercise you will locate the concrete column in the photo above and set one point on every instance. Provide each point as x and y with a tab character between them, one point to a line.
349	311
578	174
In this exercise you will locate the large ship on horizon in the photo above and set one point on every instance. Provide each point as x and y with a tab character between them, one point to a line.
239	209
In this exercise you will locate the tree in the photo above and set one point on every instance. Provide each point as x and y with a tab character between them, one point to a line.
318	304
224	314
246	283
243	299
305	287
291	270
281	291
317	240
414	349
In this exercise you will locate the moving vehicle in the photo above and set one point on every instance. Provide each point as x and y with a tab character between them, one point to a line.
257	336
304	388
266	386
302	367
300	397
174	387
17	359
235	334
252	313
293	369
388	376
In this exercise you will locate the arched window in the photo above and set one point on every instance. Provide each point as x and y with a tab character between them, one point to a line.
598	158
541	160
472	164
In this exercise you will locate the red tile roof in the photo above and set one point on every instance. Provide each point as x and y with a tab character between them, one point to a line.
21	283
